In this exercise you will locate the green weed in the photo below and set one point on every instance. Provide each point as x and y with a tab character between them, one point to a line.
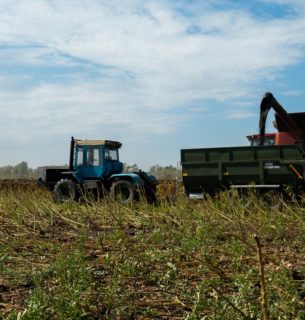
179	259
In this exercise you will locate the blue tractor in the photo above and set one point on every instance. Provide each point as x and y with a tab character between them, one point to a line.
95	167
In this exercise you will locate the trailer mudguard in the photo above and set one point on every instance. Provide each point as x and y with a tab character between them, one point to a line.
136	179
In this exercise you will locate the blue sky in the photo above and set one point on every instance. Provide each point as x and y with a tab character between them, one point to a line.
158	76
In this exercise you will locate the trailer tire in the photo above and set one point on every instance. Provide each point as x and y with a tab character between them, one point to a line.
123	190
273	200
66	191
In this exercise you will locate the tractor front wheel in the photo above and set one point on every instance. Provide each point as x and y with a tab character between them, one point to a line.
124	191
66	191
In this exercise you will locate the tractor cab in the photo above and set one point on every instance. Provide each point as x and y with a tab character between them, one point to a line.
96	159
271	139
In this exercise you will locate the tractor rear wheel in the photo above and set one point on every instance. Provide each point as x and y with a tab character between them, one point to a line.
66	191
124	191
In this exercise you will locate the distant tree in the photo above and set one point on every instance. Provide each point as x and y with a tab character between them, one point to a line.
156	170
128	168
32	173
6	172
168	172
20	171
125	167
134	168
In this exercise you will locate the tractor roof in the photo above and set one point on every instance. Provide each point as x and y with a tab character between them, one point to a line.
108	143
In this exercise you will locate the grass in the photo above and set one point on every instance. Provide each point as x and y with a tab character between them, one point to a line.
177	260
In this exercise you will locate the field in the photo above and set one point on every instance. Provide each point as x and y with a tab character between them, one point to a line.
178	259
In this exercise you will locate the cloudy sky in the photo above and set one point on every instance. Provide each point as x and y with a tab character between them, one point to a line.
157	75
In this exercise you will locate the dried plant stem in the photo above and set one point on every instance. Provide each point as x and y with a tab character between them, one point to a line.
262	279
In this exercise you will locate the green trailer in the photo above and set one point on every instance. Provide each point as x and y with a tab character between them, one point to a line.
278	165
211	170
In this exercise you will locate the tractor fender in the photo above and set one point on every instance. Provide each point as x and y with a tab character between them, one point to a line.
74	174
130	176
152	178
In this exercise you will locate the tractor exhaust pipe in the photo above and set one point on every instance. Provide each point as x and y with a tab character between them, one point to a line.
269	102
71	166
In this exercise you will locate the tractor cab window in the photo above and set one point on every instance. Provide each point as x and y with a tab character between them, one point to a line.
93	156
80	157
268	141
111	154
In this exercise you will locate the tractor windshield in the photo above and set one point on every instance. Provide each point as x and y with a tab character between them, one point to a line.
93	156
111	154
268	141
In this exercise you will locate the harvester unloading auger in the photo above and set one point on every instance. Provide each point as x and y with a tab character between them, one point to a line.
269	102
273	163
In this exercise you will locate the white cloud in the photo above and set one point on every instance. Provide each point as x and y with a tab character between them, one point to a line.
291	3
150	40
199	109
137	63
292	93
239	114
53	109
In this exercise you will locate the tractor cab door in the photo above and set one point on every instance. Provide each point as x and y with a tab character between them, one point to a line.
89	162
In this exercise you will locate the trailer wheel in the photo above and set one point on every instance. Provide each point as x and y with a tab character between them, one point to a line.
245	201
124	191
244	197
66	191
273	200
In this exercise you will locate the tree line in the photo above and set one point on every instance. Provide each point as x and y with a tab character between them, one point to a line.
160	172
22	171
19	171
